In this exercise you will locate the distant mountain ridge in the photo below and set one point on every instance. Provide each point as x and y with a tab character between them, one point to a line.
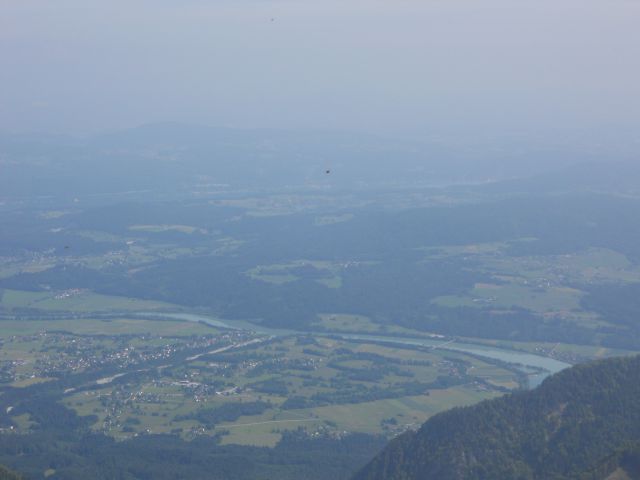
168	156
581	424
620	177
172	156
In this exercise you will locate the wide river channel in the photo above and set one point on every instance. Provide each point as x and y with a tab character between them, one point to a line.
527	362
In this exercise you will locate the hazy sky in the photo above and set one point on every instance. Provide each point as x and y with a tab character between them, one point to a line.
382	66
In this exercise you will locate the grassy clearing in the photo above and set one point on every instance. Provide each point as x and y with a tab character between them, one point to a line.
276	279
9	269
283	273
407	411
264	430
333	282
346	322
277	274
332	219
23	422
342	322
24	352
539	298
118	326
27	382
469	250
76	300
591	265
100	236
188	229
542	284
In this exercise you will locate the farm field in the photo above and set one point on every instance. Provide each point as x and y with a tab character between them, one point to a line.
243	394
317	384
75	300
106	327
319	308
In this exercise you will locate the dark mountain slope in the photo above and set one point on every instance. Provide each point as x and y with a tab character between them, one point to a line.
583	423
622	465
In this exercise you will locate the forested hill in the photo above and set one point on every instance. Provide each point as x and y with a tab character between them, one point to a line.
583	423
622	465
6	474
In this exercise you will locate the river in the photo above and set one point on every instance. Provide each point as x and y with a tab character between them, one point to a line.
526	362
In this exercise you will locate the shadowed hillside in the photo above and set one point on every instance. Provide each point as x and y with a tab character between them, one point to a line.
583	423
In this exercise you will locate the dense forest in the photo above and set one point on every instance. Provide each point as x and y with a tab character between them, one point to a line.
377	261
71	455
583	423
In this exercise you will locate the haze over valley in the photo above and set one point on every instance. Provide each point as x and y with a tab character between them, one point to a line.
347	241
